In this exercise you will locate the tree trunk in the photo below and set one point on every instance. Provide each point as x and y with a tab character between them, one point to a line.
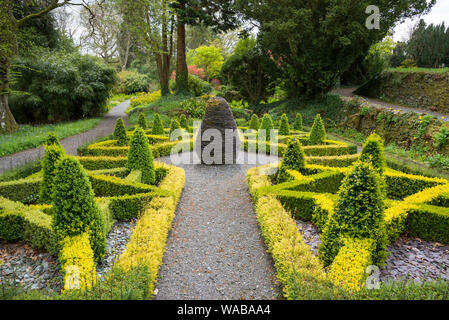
182	73
7	122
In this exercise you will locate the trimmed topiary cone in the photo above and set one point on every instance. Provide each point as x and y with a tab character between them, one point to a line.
140	156
183	121
373	151
158	126
52	139
359	213
143	123
174	125
284	128
318	132
297	125
254	124
294	159
53	153
266	126
74	206
120	133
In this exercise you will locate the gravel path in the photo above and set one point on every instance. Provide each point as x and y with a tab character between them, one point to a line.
70	144
410	258
349	92
215	250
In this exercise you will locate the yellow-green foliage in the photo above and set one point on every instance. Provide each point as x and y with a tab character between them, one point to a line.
120	133
284	128
254	124
143	122
158	126
140	156
145	99
284	242
77	263
52	139
373	150
294	159
147	244
349	267
297	125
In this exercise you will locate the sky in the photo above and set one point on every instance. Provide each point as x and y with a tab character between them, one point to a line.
438	14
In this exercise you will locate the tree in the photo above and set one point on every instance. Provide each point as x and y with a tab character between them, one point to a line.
266	126
210	59
254	123
158	126
53	153
143	122
297	125
151	22
294	159
284	128
12	20
120	133
313	41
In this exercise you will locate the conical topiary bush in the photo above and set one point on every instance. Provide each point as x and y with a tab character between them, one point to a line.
266	127
158	126
142	122
120	133
284	128
53	153
254	124
140	156
359	213
52	139
74	206
318	132
294	159
297	125
183	121
373	150
174	125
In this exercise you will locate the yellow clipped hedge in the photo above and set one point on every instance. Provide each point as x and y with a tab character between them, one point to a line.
147	244
291	255
77	263
348	269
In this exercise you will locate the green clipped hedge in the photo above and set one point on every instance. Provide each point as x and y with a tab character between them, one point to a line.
400	186
429	223
24	190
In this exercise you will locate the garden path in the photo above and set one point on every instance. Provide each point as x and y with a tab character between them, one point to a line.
349	92
215	250
70	144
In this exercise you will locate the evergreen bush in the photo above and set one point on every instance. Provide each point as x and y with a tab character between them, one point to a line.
120	133
294	159
297	125
183	121
174	125
140	156
53	153
318	132
359	214
254	123
158	126
75	210
266	126
284	128
52	139
142	122
373	150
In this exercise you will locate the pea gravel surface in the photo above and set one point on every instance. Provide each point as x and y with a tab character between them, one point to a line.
215	250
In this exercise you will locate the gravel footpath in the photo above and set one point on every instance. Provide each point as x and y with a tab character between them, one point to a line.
410	258
215	250
70	144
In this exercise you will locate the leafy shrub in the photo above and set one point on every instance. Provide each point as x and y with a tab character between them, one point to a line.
441	137
158	126
297	125
266	126
120	133
359	214
318	132
53	153
183	121
195	108
132	82
254	123
174	125
74	206
145	99
142	122
198	87
284	128
294	159
140	156
60	87
238	109
373	151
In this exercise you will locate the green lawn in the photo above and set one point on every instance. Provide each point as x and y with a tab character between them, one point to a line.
432	70
33	136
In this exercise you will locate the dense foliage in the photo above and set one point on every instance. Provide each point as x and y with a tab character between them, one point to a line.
284	128
318	132
53	153
140	156
254	124
60	86
158	126
143	122
294	159
297	125
120	133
